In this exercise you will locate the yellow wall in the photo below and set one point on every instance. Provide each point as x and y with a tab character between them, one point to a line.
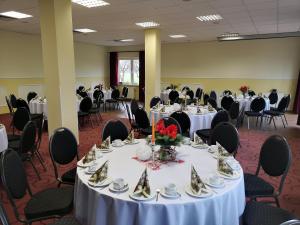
21	62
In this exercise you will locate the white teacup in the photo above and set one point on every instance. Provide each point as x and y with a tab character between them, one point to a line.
171	189
92	168
186	141
118	183
118	142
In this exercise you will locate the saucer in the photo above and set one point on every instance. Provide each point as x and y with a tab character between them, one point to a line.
135	141
235	175
112	189
121	144
165	195
84	165
88	171
142	198
205	194
220	185
101	184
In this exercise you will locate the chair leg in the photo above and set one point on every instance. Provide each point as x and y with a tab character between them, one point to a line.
90	119
248	122
256	121
282	121
274	122
40	159
285	120
277	201
34	168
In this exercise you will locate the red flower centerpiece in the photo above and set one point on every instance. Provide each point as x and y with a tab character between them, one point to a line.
244	89
167	137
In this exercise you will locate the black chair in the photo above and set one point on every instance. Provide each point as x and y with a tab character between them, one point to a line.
39	126
278	112
142	122
185	88
190	93
213	103
184	121
10	108
133	125
124	94
259	213
173	95
114	99
46	204
234	110
199	93
25	147
251	93
221	116
205	99
134	106
273	97
171	121
227	135
240	118
85	107
20	119
213	95
83	94
154	101
22	103
115	129
81	88
227	92
13	100
95	110
256	110
275	160
226	102
96	94
63	150
31	95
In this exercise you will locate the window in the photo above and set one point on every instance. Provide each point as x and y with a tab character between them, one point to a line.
129	71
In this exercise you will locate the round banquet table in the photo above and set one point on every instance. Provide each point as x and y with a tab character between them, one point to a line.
3	138
198	121
102	207
37	106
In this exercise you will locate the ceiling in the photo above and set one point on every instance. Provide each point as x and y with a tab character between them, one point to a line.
117	21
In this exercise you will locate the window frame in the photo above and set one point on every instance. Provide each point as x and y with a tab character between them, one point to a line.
131	71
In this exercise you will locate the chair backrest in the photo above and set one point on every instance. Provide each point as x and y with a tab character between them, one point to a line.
273	97
291	222
13	100
227	135
283	104
213	95
234	110
185	88
205	98
22	103
212	102
258	104
289	100
199	92
128	113
226	102
154	101
20	118
81	88
11	111
251	93
86	104
141	118
227	92
3	215
115	94
14	178
83	94
134	106
173	95
275	156
125	92
28	138
115	129
96	93
63	147
190	93
183	119
171	121
221	116
240	119
31	95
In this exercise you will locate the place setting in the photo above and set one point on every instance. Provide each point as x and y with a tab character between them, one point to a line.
170	191
105	146
100	177
130	140
90	158
198	142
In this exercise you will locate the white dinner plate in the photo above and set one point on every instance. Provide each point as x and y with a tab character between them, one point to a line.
165	195
84	165
200	146
121	144
236	175
112	189
105	150
142	198
220	185
102	184
205	194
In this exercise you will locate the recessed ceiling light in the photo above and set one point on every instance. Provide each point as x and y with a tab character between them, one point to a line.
230	37
148	24
16	15
127	40
85	30
206	18
91	3
177	36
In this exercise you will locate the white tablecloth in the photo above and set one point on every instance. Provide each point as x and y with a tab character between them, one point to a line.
38	107
3	138
106	93
198	122
102	207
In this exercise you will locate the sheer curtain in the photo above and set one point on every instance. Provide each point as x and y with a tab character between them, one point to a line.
142	76
113	65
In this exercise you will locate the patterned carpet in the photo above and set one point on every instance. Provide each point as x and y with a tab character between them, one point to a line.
251	141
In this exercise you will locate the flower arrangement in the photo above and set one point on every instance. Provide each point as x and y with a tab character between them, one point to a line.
167	136
244	89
